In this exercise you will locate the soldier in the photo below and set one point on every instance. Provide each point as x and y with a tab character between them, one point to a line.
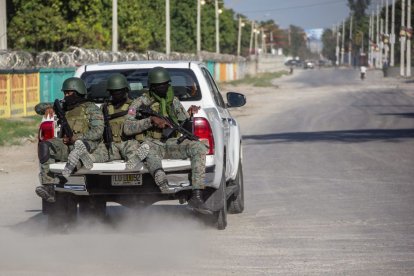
87	124
116	145
160	98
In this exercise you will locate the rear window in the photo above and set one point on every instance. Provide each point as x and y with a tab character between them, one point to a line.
183	81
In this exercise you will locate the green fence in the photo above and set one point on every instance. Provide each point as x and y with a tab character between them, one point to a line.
51	80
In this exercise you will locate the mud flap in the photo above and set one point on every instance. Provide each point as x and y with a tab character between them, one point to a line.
214	197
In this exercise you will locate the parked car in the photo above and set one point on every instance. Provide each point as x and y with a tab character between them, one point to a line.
293	63
309	64
110	182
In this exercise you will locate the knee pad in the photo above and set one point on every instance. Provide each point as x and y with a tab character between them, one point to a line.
43	152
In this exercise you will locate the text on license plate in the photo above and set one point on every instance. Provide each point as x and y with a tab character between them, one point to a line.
127	180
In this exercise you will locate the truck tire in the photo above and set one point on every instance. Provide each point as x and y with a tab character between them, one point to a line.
221	215
236	201
62	212
94	208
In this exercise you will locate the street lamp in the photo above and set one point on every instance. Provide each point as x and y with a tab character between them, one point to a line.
241	25
217	12
217	27
114	26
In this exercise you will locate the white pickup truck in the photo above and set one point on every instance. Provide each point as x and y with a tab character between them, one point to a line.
111	182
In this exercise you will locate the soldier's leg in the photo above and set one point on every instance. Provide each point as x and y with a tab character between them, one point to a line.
196	151
49	152
133	153
154	165
80	151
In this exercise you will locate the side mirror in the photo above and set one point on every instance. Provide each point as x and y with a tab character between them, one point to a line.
235	99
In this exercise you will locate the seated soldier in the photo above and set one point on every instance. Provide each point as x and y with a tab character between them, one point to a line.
160	98
86	122
116	144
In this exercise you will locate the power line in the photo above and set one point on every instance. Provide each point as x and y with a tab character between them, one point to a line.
296	7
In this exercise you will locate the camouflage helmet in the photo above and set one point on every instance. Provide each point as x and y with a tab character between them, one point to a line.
75	84
158	75
116	82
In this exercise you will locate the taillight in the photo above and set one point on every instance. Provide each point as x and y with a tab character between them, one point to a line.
202	129
46	130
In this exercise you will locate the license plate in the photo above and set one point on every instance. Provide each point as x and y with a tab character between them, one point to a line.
127	180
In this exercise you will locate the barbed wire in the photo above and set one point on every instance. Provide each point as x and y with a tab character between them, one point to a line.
76	56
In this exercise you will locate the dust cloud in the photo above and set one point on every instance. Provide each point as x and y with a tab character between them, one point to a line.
150	241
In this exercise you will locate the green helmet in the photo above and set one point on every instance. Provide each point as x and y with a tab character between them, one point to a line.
158	75
75	84
116	82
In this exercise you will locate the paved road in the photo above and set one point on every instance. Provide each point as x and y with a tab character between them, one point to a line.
328	168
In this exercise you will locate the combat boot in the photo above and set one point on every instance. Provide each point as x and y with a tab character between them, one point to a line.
161	180
196	202
46	192
140	155
84	155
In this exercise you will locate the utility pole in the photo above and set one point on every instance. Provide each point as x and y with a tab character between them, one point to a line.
271	42
114	25
362	42
199	29
392	37
377	59
373	45
251	39
239	36
3	25
217	28
409	35
387	34
402	39
263	38
290	39
350	42
256	43
343	43
167	28
369	41
381	42
337	45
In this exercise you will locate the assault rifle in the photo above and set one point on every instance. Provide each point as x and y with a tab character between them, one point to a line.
62	121
168	132
107	134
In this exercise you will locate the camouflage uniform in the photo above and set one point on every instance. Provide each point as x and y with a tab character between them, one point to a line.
170	149
122	147
86	122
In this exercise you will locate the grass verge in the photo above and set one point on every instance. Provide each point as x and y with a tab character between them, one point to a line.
259	80
12	131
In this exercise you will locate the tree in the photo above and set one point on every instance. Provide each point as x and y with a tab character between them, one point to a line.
36	26
358	7
329	44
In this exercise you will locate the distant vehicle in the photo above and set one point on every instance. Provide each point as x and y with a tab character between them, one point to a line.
293	63
309	64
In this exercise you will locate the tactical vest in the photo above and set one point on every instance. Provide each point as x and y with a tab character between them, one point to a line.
117	124
78	119
153	132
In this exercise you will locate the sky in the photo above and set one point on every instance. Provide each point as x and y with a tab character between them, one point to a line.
308	14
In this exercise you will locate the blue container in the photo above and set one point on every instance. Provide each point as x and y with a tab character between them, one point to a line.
210	66
51	80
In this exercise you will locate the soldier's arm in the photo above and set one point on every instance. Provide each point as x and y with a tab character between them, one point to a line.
41	108
132	125
182	114
96	123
